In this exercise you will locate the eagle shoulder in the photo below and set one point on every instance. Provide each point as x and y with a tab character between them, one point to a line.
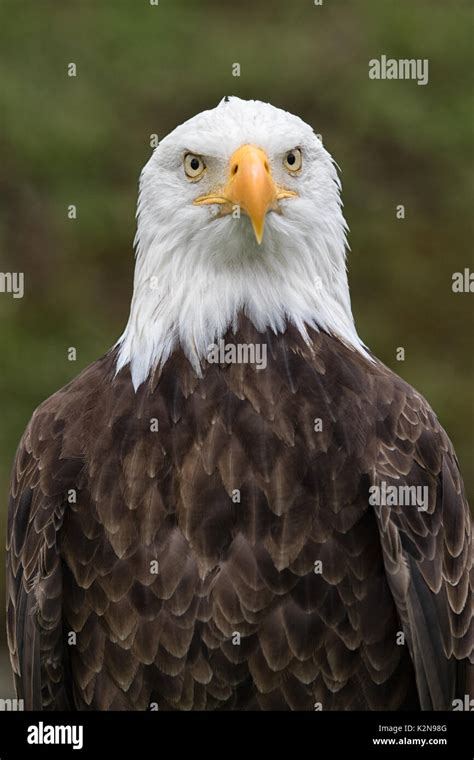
46	465
426	537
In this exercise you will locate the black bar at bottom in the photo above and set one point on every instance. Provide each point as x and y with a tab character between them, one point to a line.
315	735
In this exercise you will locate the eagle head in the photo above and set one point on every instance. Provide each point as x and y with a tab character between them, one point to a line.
239	212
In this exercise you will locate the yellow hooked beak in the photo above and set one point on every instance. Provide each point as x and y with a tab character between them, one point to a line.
250	187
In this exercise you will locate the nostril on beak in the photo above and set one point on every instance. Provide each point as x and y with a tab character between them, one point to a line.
235	169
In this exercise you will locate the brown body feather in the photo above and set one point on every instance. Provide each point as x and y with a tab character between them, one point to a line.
98	497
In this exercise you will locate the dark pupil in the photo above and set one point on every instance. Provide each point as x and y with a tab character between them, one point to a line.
194	164
291	158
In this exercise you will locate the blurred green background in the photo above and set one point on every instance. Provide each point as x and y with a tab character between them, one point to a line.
143	69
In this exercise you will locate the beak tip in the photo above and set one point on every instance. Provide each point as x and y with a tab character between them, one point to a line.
258	231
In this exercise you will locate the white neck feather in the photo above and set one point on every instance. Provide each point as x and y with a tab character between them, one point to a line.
189	289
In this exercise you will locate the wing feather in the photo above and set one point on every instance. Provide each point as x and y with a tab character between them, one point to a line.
34	568
428	552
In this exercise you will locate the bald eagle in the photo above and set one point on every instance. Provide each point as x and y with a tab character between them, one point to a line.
239	507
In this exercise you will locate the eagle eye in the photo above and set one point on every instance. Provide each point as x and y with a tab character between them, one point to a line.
293	160
193	166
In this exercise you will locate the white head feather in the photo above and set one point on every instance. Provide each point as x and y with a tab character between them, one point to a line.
197	271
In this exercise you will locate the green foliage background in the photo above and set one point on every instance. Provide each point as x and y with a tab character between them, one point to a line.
143	69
